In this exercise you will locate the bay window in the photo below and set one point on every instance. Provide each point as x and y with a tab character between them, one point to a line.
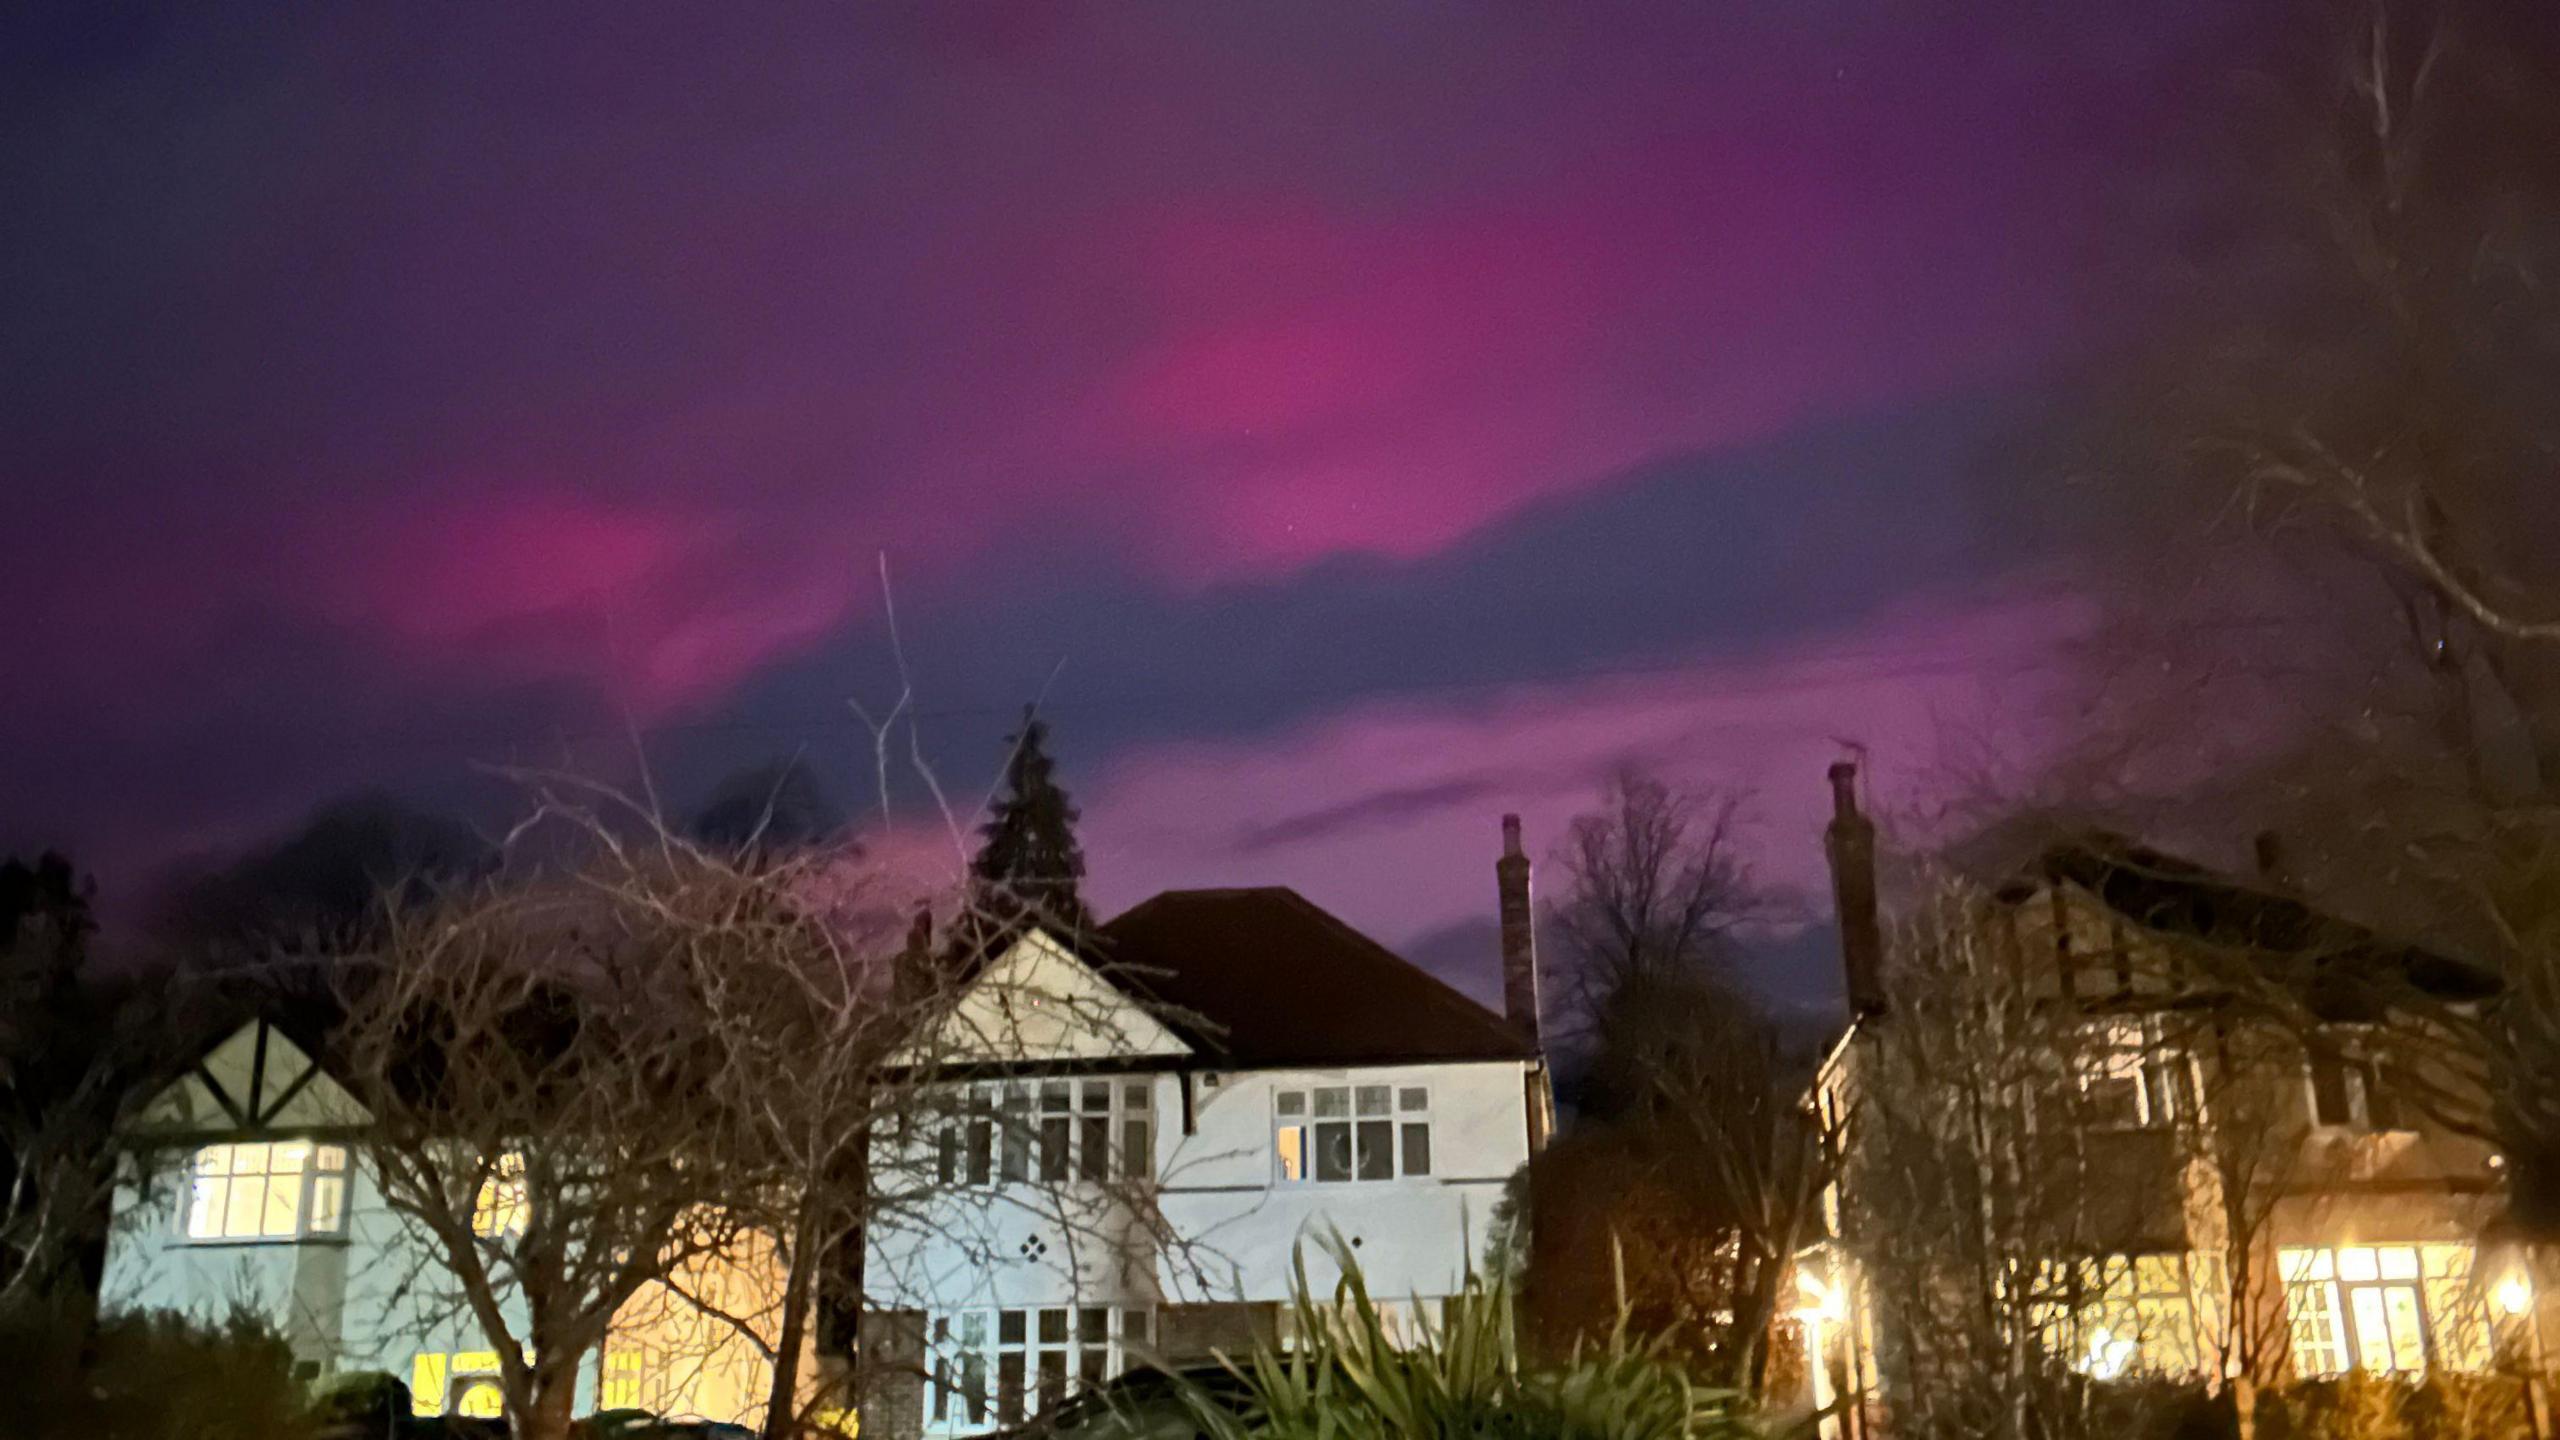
266	1190
1053	1131
991	1368
2389	1309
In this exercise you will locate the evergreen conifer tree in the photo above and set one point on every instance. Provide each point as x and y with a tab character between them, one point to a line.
1029	866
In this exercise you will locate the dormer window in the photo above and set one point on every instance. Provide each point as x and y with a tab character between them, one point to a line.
266	1190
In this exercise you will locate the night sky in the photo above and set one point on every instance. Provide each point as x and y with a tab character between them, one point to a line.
1356	421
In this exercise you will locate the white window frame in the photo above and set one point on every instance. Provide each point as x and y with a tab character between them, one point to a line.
2127	1049
1093	1129
224	1177
1303	1115
1020	1361
2390	1309
2359	1075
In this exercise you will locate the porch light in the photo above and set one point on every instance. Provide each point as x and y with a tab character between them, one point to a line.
2515	1293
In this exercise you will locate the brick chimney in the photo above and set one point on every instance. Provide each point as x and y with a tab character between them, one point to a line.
1519	933
1850	844
914	977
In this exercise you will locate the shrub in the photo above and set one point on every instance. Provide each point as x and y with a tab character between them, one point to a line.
2374	1407
147	1376
1349	1379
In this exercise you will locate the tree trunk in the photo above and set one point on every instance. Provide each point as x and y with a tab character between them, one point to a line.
555	1399
799	1282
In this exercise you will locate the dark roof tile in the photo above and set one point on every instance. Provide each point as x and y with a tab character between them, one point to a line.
1279	981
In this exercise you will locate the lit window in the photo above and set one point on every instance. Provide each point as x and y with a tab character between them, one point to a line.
2389	1309
991	1368
266	1190
618	1386
1335	1133
502	1207
2116	1315
464	1383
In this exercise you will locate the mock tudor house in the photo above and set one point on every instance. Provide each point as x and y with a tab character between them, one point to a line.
1165	1117
1177	1117
244	1191
2257	1192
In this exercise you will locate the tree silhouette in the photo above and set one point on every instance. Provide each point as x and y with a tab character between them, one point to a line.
1029	867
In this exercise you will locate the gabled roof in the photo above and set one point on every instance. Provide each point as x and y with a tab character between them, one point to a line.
2167	894
1263	977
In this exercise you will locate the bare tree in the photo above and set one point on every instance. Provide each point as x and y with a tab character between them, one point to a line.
1687	1068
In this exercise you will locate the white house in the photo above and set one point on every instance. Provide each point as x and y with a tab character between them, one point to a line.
244	1190
1161	1118
1173	1113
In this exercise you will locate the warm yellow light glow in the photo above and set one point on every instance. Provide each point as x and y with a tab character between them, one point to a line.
2515	1294
1821	1305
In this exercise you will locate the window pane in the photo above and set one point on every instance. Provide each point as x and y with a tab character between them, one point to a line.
1293	1102
1133	1327
1017	1146
248	1207
1012	1328
1291	1143
1097	1148
1053	1377
248	1159
1056	1096
946	1165
1093	1326
2408	1338
328	1204
1417	1148
2355	1262
1333	1101
2398	1262
1053	1327
2329	1091
329	1157
1377	1150
1373	1099
1055	1131
2373	1332
1095	1366
973	1386
284	1205
1137	1152
1333	1151
1413	1097
982	1146
204	1206
1136	1095
2381	1107
214	1160
1097	1095
287	1157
